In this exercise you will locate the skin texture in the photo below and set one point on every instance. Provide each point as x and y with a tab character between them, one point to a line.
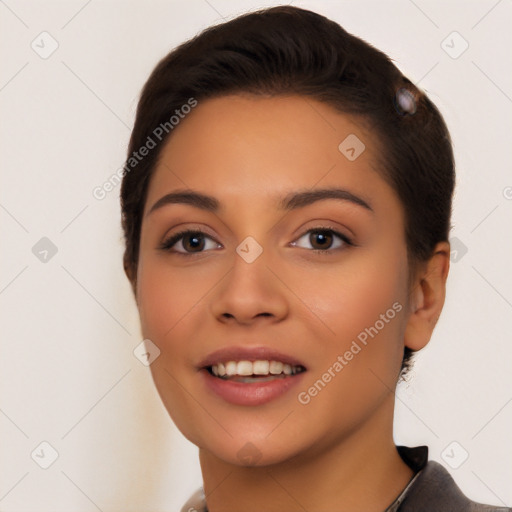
248	152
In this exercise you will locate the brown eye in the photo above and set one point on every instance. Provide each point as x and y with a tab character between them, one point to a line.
193	242
323	240
188	242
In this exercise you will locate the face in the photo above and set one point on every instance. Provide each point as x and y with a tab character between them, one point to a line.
272	278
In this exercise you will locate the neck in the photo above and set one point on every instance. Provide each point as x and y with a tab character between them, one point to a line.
360	472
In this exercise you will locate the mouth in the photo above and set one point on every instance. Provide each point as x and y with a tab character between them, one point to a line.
254	371
250	376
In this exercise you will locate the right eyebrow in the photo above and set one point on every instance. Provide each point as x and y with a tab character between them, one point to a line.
202	201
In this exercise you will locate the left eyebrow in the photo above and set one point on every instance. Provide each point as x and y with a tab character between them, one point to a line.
292	201
304	198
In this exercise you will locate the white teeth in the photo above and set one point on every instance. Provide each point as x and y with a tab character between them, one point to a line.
248	368
244	368
231	368
260	367
276	367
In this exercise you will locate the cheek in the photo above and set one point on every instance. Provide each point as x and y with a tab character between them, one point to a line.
169	305
167	298
352	297
362	305
158	302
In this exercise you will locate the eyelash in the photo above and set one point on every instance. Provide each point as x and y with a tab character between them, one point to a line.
171	241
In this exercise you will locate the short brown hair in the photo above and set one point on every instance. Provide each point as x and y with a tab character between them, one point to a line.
287	50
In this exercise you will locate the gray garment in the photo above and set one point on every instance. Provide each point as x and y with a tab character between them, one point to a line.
432	489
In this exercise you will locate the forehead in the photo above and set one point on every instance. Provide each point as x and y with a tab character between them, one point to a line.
237	145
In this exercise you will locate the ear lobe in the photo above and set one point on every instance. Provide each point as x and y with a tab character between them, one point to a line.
427	298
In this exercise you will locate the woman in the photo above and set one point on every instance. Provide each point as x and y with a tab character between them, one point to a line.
286	208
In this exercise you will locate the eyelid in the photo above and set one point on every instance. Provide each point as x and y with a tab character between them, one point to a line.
346	240
170	241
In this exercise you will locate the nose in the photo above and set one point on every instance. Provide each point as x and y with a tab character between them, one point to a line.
250	293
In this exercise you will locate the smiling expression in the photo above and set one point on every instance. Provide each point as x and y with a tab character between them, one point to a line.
292	251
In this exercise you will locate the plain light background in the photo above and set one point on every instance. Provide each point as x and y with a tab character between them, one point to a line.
69	324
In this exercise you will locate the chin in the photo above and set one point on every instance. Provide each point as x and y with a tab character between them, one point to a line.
251	454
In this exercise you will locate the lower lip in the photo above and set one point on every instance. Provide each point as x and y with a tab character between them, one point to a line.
253	393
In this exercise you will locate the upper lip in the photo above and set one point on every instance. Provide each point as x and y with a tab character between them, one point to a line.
244	353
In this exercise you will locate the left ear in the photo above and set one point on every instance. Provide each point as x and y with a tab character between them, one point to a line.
427	298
